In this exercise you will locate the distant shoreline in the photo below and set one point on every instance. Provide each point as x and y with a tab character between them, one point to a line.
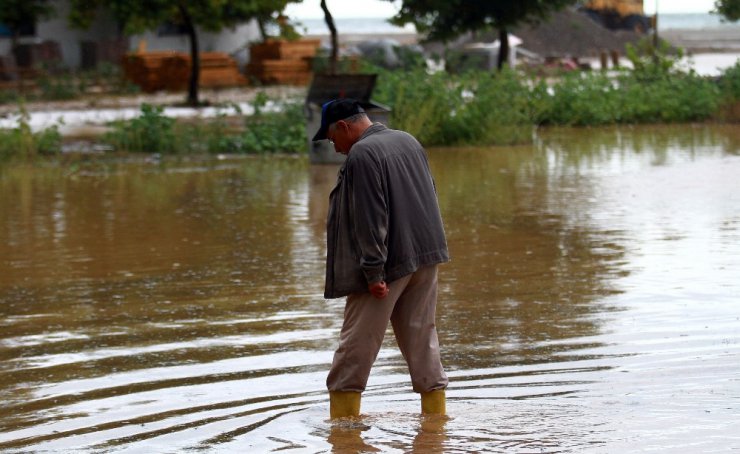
705	40
719	39
697	33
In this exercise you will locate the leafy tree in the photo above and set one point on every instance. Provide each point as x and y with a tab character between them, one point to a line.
211	15
729	9
15	14
447	19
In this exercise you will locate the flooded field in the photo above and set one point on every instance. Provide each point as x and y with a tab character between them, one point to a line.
592	303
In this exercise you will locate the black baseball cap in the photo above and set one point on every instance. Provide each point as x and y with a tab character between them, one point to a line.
335	110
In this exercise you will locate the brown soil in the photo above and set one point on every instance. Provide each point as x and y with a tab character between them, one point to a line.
572	34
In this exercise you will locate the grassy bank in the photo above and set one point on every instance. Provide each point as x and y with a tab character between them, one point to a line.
21	141
472	108
265	131
482	108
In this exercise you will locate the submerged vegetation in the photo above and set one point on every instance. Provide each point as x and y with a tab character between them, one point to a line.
478	107
470	108
21	141
276	130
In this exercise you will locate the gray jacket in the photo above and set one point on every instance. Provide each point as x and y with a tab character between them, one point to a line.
384	220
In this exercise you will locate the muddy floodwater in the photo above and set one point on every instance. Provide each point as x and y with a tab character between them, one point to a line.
592	303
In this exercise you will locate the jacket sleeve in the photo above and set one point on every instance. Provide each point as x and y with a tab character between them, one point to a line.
369	214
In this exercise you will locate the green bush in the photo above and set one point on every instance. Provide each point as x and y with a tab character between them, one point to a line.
21	141
8	97
729	83
496	110
674	99
581	99
481	107
650	94
477	107
151	132
58	87
421	103
54	84
279	131
282	131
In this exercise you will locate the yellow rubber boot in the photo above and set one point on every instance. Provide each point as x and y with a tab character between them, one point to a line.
344	403
433	402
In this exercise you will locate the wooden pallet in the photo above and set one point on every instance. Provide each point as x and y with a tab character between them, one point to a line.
293	72
154	71
282	62
146	69
284	50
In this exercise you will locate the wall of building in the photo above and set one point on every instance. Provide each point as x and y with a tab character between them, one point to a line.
70	39
232	41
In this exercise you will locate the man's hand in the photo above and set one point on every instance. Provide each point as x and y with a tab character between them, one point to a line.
379	289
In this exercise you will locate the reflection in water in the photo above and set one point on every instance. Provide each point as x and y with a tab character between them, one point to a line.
589	304
349	435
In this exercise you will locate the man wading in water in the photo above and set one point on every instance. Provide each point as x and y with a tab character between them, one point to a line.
384	241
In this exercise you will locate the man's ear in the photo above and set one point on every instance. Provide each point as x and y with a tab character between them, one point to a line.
343	125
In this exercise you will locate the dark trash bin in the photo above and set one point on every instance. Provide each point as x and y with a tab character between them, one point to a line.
326	87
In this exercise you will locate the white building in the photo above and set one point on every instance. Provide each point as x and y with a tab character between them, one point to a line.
85	47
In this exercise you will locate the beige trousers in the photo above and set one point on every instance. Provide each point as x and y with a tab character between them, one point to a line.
410	307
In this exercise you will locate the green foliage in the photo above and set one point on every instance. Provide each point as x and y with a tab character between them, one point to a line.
581	99
65	85
58	87
728	9
8	97
589	99
478	108
274	132
421	103
151	132
497	110
21	141
277	130
649	62
730	83
481	108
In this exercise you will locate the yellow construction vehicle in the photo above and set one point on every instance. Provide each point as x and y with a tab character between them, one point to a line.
618	14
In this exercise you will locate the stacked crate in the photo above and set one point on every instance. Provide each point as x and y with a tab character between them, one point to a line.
217	69
283	62
145	69
154	71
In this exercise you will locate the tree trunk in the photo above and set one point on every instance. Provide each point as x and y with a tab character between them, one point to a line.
14	52
503	50
334	57
194	56
261	26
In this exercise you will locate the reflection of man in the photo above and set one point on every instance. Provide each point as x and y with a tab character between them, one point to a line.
384	241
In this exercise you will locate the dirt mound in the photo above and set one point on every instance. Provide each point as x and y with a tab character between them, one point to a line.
570	33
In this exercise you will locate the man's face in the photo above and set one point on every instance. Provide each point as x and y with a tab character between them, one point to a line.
338	134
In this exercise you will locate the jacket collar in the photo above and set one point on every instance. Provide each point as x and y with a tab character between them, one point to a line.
375	127
372	129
